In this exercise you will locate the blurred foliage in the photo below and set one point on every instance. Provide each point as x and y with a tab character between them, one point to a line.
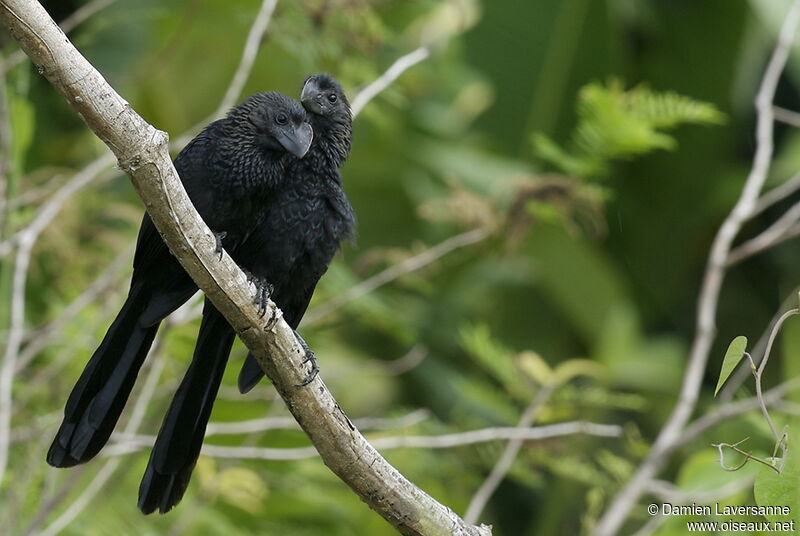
589	285
617	124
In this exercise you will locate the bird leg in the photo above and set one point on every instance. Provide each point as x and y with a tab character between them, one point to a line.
310	358
263	291
219	237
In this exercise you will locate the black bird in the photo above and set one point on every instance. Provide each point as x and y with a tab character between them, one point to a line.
227	170
307	219
314	217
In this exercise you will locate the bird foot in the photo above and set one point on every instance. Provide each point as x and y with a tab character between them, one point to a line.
310	358
219	237
263	291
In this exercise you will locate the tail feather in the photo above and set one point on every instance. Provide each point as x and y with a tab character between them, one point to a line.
250	374
180	439
97	400
165	303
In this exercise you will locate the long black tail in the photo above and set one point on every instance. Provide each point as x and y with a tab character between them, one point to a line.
179	441
97	399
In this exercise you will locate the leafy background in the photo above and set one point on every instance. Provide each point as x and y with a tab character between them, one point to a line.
595	145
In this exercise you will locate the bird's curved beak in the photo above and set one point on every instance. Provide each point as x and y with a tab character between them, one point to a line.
311	97
298	140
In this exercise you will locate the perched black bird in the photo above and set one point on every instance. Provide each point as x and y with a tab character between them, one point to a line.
312	218
228	171
308	217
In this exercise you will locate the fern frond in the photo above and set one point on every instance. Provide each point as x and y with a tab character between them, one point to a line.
669	109
615	124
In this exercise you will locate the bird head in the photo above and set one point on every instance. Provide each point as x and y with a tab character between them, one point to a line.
280	123
322	95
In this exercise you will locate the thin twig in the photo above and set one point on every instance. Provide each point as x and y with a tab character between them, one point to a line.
742	374
487	489
51	208
733	409
35	194
777	194
50	504
790	117
611	521
251	46
254	426
42	337
79	504
249	53
760	371
401	65
747	457
13	340
788	234
773	334
394	367
383	423
388	275
127	443
767	238
25	240
403	364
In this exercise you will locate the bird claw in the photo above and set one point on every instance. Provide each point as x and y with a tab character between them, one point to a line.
310	358
263	291
219	237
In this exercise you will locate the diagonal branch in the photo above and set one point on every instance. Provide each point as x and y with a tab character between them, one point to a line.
141	151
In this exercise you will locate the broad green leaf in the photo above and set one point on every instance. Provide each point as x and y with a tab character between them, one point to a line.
773	489
733	356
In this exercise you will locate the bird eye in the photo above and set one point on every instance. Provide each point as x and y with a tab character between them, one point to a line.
281	119
332	98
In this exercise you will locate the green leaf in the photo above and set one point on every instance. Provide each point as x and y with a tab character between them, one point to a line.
773	489
733	356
